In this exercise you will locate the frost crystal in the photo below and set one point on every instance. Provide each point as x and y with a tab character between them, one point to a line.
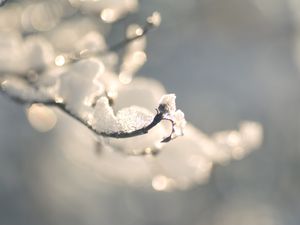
167	107
134	118
167	104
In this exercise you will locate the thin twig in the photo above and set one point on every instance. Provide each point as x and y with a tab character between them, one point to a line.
127	41
74	57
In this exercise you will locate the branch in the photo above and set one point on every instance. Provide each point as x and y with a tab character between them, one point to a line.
2	2
162	113
165	111
152	22
156	120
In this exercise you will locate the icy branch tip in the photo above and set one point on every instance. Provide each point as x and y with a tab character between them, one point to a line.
167	104
167	107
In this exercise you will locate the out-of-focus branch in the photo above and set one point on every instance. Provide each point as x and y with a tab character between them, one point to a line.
2	2
152	22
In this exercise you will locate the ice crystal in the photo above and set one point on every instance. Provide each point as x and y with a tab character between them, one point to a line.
167	107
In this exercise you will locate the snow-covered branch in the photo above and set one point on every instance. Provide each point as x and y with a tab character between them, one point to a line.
64	62
166	110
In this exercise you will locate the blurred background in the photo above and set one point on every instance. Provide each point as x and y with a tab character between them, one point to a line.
227	61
